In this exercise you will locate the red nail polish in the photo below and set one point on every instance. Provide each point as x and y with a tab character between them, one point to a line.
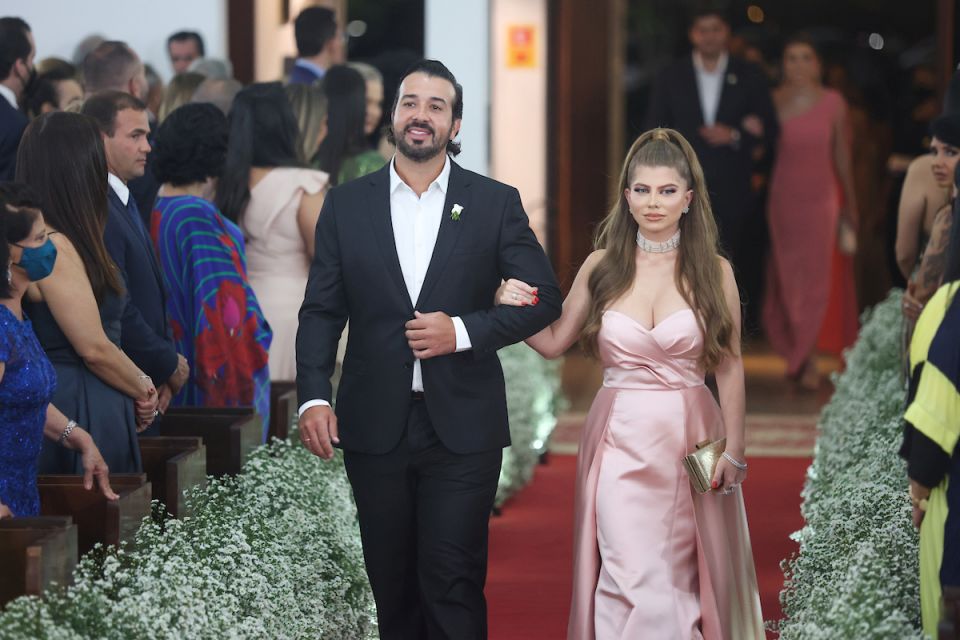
536	300
714	484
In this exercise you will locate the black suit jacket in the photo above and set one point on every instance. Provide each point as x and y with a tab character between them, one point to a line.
144	334
12	124
675	103
356	274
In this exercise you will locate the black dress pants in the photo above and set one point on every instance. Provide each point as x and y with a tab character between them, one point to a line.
424	514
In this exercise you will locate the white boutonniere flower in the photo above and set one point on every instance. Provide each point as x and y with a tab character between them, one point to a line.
731	78
455	212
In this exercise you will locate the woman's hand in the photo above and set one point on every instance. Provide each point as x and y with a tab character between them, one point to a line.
516	294
727	477
911	306
94	467
147	407
5	511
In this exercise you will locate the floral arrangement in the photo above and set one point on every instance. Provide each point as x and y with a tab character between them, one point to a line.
272	553
533	402
856	574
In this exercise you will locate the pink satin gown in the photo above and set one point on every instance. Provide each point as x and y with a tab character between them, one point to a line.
652	558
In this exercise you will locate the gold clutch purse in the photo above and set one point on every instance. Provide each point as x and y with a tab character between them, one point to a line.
701	464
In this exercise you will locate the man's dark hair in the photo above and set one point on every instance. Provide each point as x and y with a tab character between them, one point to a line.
191	145
104	107
14	43
108	66
313	28
433	69
19	209
182	36
708	9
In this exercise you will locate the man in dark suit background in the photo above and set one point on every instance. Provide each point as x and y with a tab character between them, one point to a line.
412	255
145	335
320	44
722	105
17	50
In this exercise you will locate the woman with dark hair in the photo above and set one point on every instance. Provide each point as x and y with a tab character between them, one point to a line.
344	153
931	439
660	307
810	299
77	310
55	90
276	202
216	320
27	378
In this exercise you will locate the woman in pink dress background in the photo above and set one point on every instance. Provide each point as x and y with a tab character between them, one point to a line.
810	294
660	308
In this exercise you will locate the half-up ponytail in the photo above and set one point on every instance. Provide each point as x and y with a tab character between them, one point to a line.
698	274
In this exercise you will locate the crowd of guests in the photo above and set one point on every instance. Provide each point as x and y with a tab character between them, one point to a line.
157	238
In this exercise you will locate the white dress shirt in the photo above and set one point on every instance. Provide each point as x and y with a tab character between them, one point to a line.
122	190
9	95
416	223
709	86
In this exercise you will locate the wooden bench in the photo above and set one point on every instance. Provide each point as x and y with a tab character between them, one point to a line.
173	465
283	408
35	552
229	434
949	627
97	519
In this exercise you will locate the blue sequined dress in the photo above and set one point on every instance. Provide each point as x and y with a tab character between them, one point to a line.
25	391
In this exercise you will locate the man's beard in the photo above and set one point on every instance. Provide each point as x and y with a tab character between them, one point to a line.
422	152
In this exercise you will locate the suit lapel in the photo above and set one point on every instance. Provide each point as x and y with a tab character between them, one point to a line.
379	208
458	192
134	228
726	91
690	79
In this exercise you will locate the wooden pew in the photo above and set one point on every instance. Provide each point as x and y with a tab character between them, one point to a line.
949	627
283	408
35	552
229	434
173	465
97	519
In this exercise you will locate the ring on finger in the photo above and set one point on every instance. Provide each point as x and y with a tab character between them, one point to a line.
306	439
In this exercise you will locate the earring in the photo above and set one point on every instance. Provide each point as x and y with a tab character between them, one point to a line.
686	209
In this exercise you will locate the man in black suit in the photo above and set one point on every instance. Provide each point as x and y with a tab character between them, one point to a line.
412	255
145	334
17	50
722	105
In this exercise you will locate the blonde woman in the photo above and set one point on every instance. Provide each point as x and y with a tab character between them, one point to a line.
660	308
309	105
179	92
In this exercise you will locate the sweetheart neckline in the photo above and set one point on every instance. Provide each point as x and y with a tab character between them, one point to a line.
644	327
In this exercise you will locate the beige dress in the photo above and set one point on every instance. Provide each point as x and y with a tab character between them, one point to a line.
277	260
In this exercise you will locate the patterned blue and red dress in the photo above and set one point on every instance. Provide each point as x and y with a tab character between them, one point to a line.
216	320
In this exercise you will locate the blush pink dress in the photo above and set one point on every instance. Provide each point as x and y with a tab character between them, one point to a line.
652	558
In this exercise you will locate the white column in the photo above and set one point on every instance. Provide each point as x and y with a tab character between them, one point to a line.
458	34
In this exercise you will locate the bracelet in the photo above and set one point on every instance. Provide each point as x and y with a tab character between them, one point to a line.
67	431
143	376
739	465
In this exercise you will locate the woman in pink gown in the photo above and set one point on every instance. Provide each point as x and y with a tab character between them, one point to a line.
810	293
653	558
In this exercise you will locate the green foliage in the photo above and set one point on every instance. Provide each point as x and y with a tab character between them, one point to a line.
857	573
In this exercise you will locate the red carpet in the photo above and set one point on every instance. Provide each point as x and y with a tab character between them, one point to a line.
528	586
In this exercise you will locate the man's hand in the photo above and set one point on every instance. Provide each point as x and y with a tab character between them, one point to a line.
180	375
164	396
431	334
719	135
318	431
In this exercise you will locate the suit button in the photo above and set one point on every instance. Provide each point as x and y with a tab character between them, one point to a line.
408	365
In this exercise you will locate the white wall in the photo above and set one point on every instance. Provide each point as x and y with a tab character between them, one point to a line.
458	34
58	25
518	138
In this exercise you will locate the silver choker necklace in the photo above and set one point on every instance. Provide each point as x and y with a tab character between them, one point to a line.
649	246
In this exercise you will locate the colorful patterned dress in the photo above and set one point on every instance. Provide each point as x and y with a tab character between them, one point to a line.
216	320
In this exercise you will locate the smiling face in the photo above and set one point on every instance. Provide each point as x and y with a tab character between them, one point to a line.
945	158
423	120
127	148
656	197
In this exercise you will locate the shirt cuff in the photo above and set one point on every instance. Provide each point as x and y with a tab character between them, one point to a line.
311	403
463	338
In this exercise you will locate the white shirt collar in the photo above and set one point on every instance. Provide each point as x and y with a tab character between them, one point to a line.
440	182
122	190
720	68
10	96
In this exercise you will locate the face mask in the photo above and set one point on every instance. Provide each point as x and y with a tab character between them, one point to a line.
38	261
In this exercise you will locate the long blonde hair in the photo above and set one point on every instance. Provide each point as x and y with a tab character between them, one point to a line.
698	275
